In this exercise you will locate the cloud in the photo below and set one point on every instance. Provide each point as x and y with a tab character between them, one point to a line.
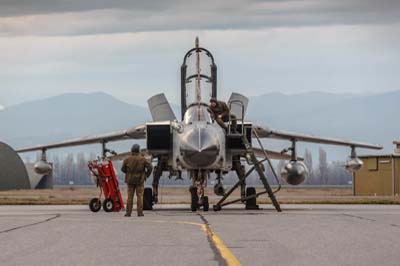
133	49
59	17
9	8
134	66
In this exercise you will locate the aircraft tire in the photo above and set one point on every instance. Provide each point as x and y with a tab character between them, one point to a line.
206	205
148	199
195	199
108	205
95	205
251	203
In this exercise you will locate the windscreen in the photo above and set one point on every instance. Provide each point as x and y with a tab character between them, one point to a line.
193	113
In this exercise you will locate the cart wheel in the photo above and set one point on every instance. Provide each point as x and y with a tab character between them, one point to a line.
251	203
108	205
195	199
148	199
95	205
205	204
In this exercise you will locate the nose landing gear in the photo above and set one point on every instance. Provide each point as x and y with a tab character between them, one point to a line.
198	199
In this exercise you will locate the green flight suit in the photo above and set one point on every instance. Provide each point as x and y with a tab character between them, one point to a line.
222	109
136	168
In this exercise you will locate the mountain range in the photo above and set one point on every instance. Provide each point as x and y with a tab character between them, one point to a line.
370	118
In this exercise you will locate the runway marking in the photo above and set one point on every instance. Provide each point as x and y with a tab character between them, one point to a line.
226	254
228	257
32	224
223	250
359	217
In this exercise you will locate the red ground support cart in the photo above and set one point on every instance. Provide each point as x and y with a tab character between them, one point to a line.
103	171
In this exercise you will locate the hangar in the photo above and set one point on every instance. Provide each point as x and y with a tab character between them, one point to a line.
13	174
380	175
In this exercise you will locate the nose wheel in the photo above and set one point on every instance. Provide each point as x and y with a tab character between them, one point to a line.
198	201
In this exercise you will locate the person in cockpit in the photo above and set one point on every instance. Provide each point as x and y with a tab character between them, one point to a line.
220	112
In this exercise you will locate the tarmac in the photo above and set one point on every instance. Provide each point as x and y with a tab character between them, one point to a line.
173	235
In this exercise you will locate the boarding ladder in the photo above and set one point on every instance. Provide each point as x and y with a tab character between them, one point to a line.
257	165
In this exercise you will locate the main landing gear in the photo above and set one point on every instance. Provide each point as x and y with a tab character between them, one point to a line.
147	199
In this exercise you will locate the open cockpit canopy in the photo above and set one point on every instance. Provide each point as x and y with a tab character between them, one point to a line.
198	79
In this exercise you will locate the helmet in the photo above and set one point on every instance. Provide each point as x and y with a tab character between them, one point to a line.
135	148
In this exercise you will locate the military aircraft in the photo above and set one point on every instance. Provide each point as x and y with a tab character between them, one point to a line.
198	145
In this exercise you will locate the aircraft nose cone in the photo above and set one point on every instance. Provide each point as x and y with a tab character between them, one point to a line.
199	147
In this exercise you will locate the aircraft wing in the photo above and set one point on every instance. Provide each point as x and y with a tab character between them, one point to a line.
265	132
119	156
123	155
274	155
132	133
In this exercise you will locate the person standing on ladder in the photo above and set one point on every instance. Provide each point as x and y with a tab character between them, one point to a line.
136	168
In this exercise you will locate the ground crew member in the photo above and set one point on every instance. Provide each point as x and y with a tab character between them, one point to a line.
220	113
136	168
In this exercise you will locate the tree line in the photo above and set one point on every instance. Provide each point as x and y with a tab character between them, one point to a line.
73	170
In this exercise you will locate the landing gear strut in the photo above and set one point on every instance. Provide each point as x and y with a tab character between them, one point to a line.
198	199
219	189
157	173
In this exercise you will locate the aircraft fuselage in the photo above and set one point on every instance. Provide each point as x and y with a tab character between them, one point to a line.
199	144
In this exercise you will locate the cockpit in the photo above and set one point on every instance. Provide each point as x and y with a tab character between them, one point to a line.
198	84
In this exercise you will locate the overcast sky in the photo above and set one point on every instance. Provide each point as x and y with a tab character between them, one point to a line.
133	49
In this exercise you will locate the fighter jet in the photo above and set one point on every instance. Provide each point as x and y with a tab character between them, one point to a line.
198	145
